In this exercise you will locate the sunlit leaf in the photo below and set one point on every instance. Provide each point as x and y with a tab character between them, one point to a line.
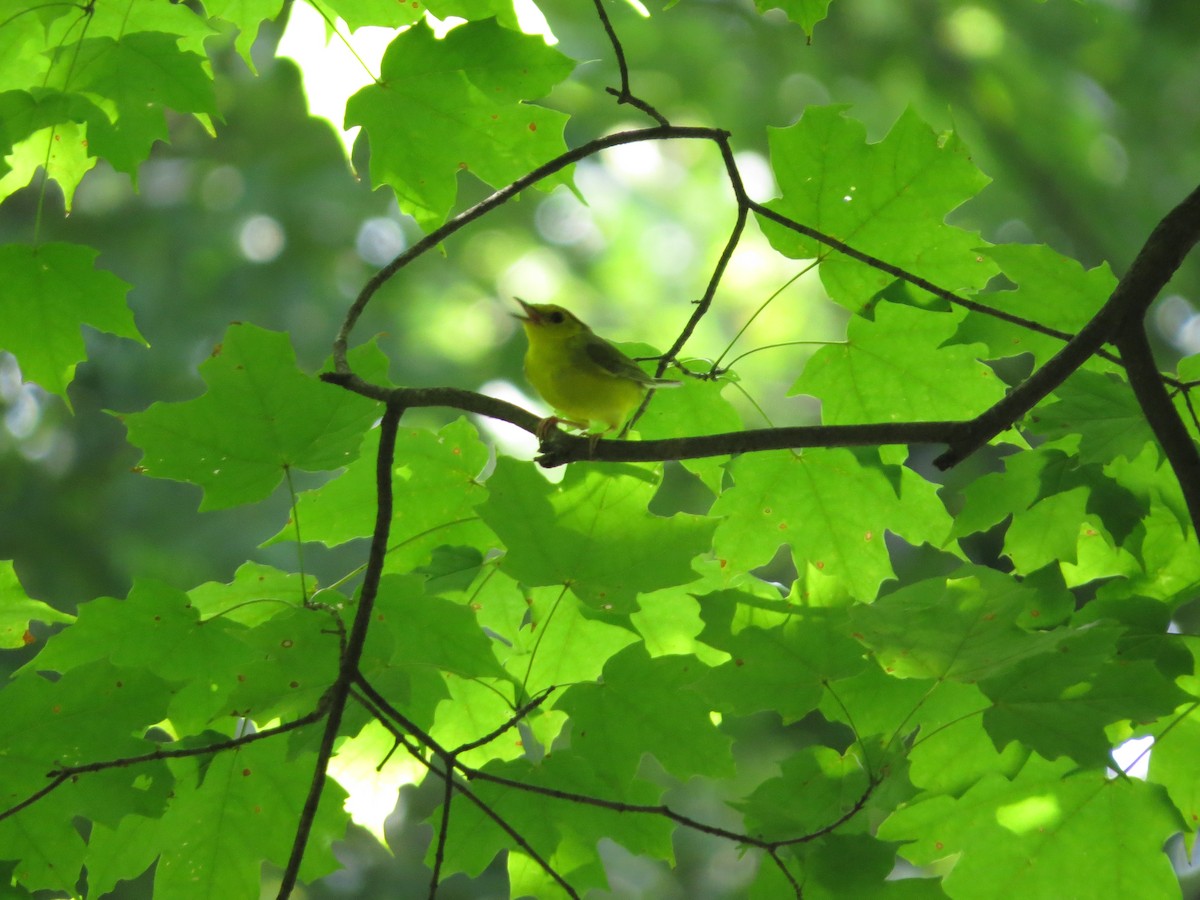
285	419
51	291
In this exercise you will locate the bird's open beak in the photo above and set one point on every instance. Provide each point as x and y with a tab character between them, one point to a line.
531	314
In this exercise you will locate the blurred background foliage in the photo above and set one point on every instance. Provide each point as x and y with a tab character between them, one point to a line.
1084	114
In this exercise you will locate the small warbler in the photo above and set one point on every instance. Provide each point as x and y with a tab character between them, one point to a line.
581	375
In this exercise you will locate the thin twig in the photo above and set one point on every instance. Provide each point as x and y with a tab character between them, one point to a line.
624	94
63	774
439	855
773	854
466	217
511	723
394	720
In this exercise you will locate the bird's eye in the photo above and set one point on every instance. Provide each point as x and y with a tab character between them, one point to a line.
556	317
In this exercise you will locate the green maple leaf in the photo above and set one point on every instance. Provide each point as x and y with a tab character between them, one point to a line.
257	593
1028	476
25	113
805	13
784	668
592	531
1173	763
435	489
875	703
1050	531
186	26
646	705
431	632
830	783
283	668
1169	555
18	610
260	417
248	16
23	63
1034	836
60	150
47	849
830	508
135	79
888	199
90	713
218	830
155	628
454	104
560	643
956	754
1039	273
1100	408
1058	704
962	627
898	368
48	292
121	853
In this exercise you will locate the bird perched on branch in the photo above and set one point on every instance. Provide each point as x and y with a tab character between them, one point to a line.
584	377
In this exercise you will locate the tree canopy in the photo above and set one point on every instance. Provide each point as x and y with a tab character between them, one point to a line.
893	597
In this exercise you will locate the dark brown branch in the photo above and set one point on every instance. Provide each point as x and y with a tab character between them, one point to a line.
340	691
1153	267
558	447
1089	341
1161	414
797	890
439	855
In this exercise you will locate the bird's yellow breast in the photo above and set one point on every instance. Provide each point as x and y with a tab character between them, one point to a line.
577	387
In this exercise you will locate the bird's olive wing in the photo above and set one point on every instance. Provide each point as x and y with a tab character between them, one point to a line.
613	361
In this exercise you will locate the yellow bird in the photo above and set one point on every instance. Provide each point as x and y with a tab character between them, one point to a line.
581	375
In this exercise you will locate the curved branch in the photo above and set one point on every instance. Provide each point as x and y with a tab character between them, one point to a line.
1156	262
506	193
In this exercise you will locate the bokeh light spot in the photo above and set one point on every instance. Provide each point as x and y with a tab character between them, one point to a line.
261	239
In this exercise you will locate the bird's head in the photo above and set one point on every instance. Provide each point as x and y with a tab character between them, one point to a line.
548	320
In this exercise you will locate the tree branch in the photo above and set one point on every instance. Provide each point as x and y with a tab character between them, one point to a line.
393	720
348	670
624	95
1153	267
558	447
500	197
1161	414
